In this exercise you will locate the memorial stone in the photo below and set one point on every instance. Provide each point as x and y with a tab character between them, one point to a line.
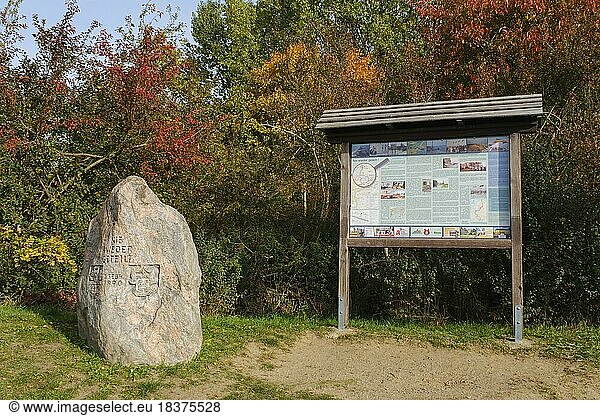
138	288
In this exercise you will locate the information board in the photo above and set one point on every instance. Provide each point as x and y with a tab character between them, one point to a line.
447	188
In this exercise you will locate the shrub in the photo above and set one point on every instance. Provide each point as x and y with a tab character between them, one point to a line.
34	266
221	274
282	274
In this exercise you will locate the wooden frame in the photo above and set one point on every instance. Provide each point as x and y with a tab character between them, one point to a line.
492	116
514	243
516	233
344	254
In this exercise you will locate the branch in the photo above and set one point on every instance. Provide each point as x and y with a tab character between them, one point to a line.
89	167
46	190
323	177
81	155
97	162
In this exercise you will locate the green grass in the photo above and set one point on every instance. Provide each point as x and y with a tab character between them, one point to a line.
579	343
574	343
447	335
42	357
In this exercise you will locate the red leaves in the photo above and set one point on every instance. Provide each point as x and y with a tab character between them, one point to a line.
78	122
103	46
472	39
180	142
10	140
141	74
60	87
143	81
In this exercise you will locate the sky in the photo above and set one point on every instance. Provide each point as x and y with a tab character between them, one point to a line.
110	13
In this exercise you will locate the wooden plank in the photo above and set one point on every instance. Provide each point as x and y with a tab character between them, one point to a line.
344	255
328	117
383	113
533	98
516	222
414	111
427	131
430	243
441	117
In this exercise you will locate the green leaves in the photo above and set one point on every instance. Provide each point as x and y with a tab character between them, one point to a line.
224	131
225	34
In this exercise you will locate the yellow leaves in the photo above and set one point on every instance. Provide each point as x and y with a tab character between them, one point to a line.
275	102
5	233
294	86
49	251
358	68
297	59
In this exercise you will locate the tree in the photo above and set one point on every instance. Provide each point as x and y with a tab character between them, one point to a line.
475	49
227	47
234	36
87	111
498	47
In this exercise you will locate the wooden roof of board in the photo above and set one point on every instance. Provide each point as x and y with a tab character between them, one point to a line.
458	118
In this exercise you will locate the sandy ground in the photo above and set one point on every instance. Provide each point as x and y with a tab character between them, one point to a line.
389	369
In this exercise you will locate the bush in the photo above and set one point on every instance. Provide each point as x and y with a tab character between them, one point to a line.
221	274
282	274
438	285
266	272
34	266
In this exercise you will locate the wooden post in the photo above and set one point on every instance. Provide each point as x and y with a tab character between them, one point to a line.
516	235
344	256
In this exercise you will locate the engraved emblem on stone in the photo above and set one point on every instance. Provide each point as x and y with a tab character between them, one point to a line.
145	279
95	274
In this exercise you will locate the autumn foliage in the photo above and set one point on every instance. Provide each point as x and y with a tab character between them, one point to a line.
295	86
491	47
223	129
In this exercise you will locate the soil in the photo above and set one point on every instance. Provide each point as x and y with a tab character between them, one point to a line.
347	368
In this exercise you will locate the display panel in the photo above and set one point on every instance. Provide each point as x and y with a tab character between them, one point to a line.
447	188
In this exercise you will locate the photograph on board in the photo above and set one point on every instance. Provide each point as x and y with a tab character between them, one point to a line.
436	147
357	232
417	147
360	150
441	184
398	149
502	233
477	144
401	232
456	146
498	144
384	231
468	232
451	232
393	190
426	185
475	166
379	149
449	163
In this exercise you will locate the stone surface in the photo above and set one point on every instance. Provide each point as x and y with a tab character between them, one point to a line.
138	289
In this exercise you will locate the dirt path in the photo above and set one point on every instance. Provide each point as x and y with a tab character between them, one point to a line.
389	369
